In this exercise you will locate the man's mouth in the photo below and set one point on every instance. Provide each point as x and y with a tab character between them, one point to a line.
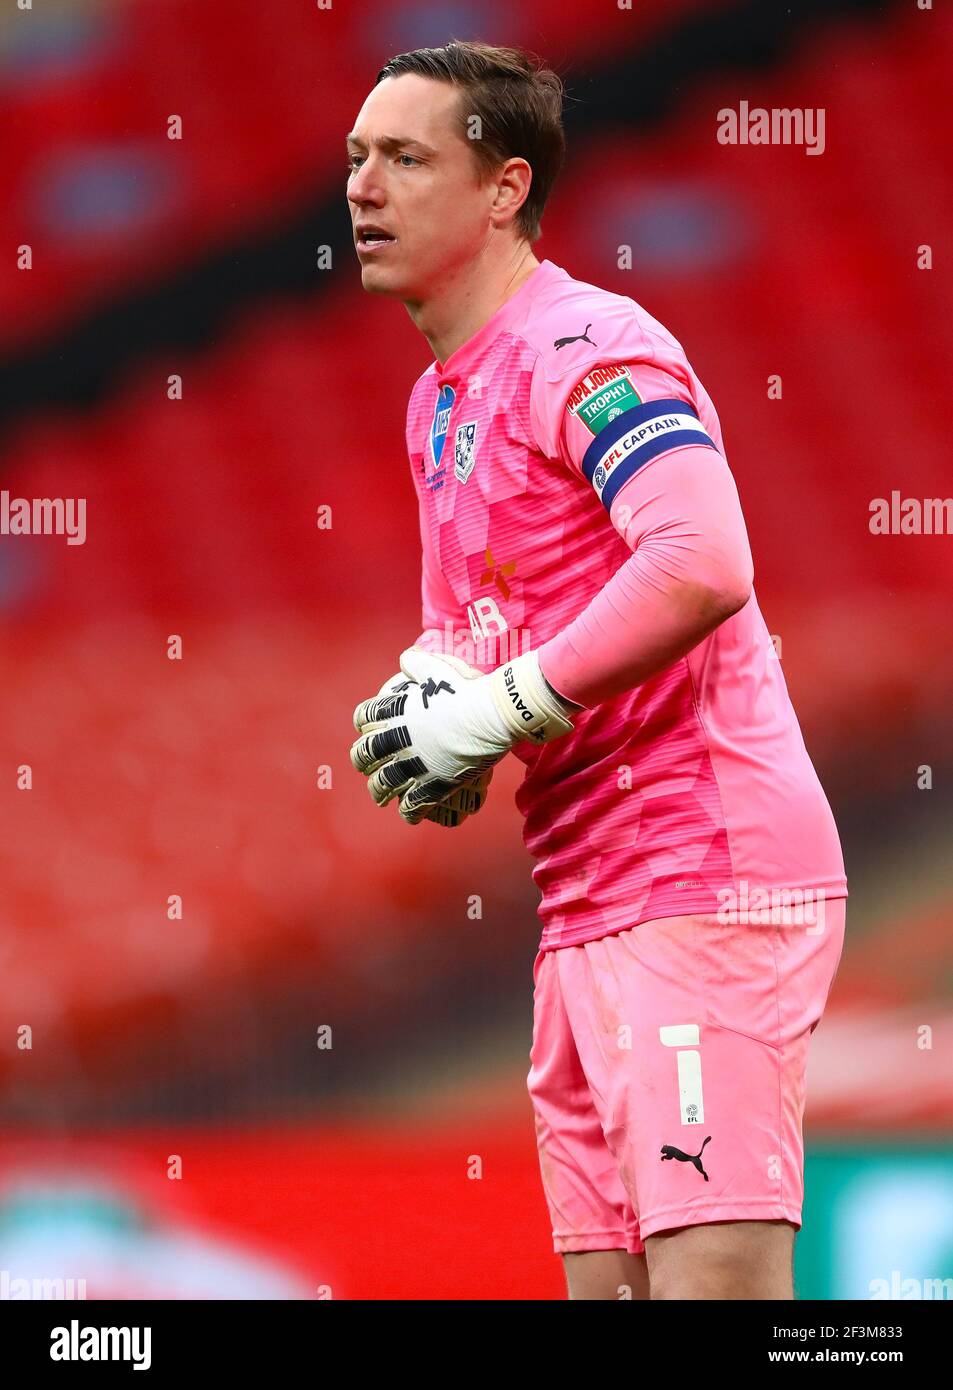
374	241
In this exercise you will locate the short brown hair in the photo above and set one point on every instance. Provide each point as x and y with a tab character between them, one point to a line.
519	103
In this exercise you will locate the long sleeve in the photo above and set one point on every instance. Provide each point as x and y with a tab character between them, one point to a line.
691	568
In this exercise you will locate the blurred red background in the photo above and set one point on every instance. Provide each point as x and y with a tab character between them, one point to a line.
303	906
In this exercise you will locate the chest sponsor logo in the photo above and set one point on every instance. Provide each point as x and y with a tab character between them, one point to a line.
436	478
602	395
464	451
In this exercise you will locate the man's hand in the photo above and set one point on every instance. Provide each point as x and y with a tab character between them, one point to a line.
448	728
466	800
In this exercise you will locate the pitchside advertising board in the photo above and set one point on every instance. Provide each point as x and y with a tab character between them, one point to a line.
878	1222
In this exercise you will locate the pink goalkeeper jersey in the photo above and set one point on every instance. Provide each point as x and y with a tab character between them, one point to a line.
693	791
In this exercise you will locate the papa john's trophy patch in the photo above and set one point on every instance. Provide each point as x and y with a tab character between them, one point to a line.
463	450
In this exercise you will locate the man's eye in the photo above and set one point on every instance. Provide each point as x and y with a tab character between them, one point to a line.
410	157
353	163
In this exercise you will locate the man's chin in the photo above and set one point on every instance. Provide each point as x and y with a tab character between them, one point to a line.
380	279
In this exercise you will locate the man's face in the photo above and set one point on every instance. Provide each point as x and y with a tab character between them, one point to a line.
415	178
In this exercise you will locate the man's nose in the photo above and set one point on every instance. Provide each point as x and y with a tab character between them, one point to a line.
365	186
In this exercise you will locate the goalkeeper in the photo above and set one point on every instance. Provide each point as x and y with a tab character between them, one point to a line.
582	534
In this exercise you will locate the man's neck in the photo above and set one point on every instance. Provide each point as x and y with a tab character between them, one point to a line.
469	299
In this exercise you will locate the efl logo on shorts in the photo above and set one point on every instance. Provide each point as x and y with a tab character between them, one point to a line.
684	1037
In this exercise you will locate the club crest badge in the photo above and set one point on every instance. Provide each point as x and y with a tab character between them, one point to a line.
463	451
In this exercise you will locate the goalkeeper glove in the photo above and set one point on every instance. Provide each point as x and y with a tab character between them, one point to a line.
451	727
467	799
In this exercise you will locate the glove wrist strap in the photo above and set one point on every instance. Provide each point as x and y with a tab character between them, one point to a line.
527	704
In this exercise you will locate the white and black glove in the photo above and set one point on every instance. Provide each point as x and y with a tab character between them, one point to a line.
450	726
468	798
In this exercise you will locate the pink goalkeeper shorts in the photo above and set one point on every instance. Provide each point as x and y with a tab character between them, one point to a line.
668	1072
